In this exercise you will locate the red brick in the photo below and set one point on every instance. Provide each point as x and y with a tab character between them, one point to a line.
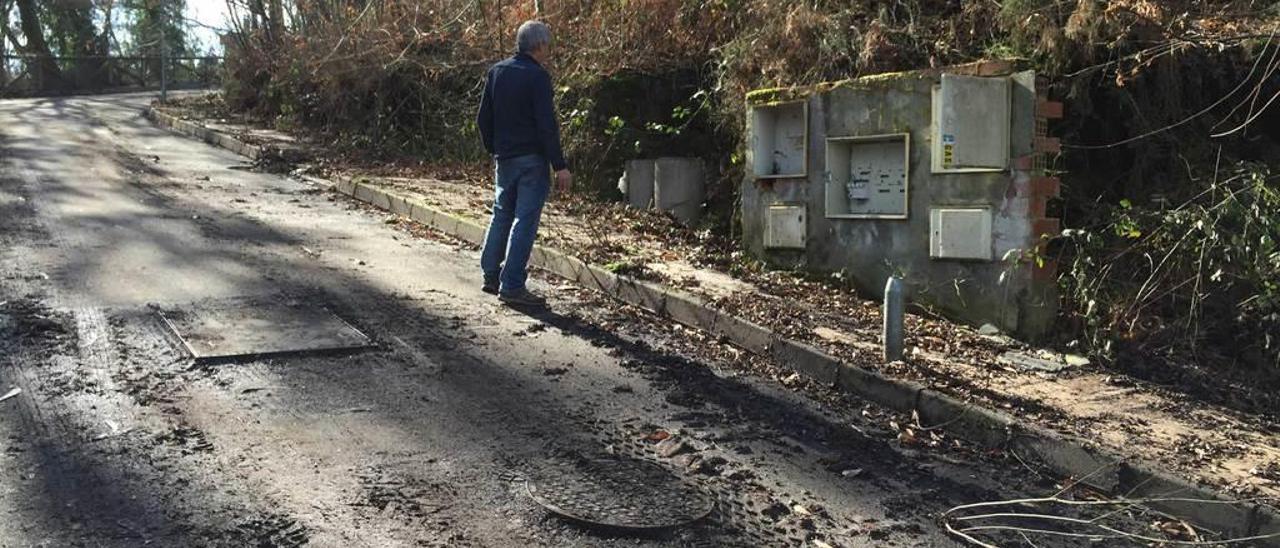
994	68
982	68
1045	273
1024	163
1048	145
1037	207
1049	109
1039	227
1048	187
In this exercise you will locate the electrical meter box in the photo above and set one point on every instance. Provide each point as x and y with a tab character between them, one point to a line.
786	227
868	177
971	123
960	233
779	140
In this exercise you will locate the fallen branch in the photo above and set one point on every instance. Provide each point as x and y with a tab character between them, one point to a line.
11	394
957	525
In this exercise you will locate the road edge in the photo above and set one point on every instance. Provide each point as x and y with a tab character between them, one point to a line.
210	136
1068	456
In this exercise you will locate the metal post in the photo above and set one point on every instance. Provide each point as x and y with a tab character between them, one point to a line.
894	305
164	56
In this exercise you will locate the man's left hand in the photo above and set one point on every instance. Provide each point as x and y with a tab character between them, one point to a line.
564	182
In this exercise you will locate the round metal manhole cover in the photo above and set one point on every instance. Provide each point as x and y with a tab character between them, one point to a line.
617	492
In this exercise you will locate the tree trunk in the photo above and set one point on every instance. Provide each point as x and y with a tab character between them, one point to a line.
76	18
104	43
4	48
257	14
275	23
46	70
150	32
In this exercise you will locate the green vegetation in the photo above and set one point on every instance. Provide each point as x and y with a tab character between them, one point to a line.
1199	277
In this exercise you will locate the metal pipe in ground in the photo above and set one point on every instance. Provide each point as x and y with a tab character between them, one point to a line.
894	307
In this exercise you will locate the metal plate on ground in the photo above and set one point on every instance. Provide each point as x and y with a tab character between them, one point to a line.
1042	361
617	492
232	329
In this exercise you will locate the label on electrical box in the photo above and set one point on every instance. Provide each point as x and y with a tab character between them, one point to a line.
948	150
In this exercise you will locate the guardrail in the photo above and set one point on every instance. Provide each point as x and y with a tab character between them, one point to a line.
21	75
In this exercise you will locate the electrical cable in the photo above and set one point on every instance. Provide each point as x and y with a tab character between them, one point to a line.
1195	116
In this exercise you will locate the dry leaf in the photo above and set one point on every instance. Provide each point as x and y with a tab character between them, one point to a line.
658	436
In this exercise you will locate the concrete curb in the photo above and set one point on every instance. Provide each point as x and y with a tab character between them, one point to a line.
1065	455
202	133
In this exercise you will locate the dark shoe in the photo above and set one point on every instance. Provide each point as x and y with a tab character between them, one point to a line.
490	287
522	297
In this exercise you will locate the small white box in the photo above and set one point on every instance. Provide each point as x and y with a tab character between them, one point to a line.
960	233
786	227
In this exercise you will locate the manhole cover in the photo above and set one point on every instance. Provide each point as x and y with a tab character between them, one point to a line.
241	328
617	492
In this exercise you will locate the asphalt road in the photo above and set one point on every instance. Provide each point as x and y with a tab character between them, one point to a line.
119	439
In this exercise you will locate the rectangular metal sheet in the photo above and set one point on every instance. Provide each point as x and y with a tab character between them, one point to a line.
974	129
785	227
960	233
247	328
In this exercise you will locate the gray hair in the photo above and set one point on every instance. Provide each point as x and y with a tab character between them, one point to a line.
532	35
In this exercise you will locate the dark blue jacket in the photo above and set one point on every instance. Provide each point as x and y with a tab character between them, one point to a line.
517	115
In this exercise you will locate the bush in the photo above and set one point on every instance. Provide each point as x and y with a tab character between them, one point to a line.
1200	277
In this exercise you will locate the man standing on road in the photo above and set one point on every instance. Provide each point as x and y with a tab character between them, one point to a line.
517	121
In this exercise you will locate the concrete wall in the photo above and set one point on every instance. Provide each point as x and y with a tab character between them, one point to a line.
1016	295
674	185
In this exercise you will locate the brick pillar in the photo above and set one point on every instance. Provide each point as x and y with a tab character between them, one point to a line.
1044	188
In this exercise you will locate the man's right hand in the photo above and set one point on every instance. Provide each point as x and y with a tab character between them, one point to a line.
564	182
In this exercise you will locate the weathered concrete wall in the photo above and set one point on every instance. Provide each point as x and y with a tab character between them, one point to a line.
675	185
679	188
636	184
1010	291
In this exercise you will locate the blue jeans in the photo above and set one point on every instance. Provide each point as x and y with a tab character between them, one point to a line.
522	187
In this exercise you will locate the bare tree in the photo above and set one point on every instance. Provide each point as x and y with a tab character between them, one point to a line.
4	43
275	23
72	33
108	42
46	70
